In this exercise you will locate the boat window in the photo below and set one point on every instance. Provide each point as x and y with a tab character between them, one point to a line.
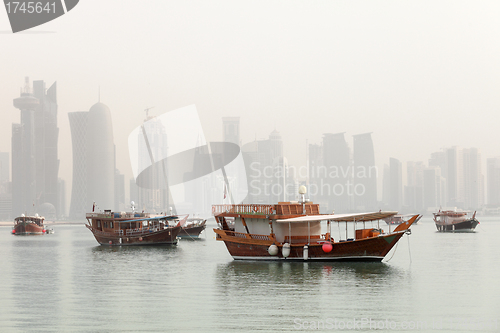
111	224
98	223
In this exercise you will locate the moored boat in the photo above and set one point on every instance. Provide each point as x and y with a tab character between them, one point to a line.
28	225
399	218
192	228
292	231
452	220
132	228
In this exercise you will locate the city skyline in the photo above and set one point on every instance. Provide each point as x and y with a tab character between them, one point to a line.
392	180
420	77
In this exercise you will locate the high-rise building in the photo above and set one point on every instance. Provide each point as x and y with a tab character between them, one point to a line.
364	172
231	129
493	180
93	160
100	158
78	125
337	187
5	187
464	181
35	162
413	193
473	182
395	184
268	176
455	177
155	197
434	188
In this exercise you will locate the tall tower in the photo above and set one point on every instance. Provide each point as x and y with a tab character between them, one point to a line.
93	160
23	154
365	173
396	184
100	158
493	180
337	184
78	125
231	129
46	137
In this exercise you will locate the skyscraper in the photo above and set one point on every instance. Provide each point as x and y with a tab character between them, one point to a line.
35	163
93	160
231	129
78	125
396	184
413	193
337	186
364	172
473	179
493	180
434	188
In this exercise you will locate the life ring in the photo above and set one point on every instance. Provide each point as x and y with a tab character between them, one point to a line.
140	238
255	208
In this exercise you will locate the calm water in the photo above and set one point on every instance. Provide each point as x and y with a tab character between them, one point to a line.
65	282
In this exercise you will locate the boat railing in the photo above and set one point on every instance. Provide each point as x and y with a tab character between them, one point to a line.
243	209
249	236
132	232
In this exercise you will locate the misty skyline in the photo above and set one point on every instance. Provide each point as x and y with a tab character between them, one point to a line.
421	76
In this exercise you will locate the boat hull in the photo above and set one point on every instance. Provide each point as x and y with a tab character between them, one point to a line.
463	226
367	249
191	232
166	236
28	228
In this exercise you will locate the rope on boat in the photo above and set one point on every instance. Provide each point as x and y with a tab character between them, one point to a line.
409	251
393	252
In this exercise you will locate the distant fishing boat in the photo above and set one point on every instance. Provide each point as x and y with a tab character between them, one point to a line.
132	228
29	225
398	219
193	228
292	231
452	220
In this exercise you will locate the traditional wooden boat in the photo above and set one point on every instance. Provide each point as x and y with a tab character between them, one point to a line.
398	219
292	231
450	220
28	225
134	228
192	228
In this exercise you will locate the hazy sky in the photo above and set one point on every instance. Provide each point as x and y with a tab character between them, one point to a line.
420	75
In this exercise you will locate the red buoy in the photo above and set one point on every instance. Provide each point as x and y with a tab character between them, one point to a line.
13	231
327	247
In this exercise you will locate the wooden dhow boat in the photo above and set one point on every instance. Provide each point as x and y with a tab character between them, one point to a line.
293	231
28	225
132	228
452	220
192	228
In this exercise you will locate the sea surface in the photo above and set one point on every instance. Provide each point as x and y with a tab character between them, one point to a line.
66	282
